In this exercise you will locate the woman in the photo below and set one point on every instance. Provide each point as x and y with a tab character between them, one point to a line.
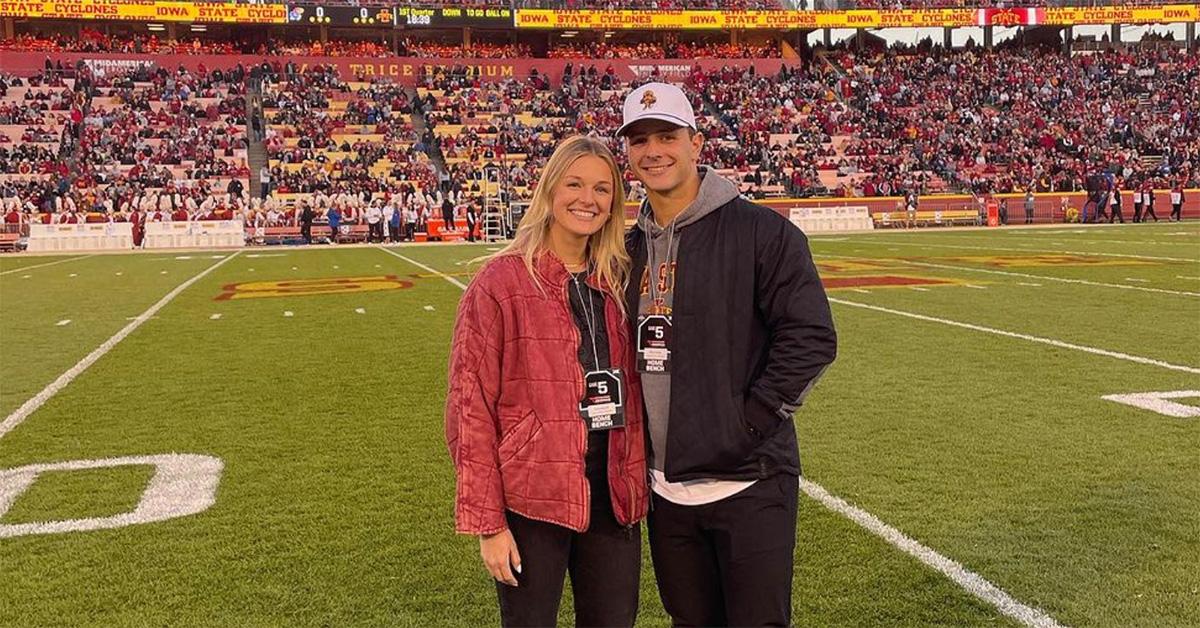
543	416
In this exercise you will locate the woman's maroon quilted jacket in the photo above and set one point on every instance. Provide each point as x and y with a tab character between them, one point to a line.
512	411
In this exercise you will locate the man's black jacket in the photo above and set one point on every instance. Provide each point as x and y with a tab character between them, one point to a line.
751	334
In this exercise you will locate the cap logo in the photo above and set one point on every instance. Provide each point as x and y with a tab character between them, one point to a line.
648	99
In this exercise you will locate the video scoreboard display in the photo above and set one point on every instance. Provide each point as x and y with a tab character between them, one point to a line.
338	16
447	17
407	16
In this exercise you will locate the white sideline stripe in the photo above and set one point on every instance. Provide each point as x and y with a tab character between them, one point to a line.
420	265
918	289
1009	273
1011	334
973	583
1027	250
963	577
1084	282
61	261
1034	285
1136	280
861	291
20	414
971	285
1160	402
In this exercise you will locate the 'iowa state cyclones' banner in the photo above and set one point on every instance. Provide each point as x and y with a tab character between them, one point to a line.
148	10
866	18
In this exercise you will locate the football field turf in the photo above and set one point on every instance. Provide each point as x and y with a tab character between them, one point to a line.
964	419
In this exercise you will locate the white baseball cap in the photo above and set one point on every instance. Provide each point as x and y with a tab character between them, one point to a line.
658	101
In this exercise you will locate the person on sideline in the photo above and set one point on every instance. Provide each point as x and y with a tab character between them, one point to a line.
544	415
733	330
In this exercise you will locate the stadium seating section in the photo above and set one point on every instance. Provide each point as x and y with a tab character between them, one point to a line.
848	123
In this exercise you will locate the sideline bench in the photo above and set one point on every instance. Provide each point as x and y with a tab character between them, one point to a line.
927	218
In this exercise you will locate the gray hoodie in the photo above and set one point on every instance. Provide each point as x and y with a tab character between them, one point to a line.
663	245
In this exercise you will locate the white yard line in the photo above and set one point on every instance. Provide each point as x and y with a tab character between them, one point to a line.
1026	250
1160	402
61	261
973	583
19	415
1010	273
422	266
1011	334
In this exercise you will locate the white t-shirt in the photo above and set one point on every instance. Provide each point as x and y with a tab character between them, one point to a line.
695	492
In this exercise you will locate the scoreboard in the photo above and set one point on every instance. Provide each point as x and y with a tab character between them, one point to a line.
407	16
334	15
455	17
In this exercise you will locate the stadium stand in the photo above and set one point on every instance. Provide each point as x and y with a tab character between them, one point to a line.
858	120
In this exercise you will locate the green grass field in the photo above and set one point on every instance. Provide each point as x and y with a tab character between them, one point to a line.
335	501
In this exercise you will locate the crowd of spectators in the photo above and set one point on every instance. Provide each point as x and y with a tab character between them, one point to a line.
1008	119
854	123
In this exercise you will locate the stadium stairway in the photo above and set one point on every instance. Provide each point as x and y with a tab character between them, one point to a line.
421	128
256	151
69	152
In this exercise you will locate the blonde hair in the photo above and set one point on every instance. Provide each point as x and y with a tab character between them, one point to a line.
606	248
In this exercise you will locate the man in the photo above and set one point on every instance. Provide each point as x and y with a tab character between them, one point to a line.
1137	201
1176	202
910	207
374	222
1116	205
264	177
1029	206
410	221
448	213
733	330
1148	200
306	220
335	222
472	219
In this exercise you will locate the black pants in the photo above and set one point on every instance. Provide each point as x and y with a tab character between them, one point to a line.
306	232
1176	212
605	564
728	563
1137	212
375	232
1116	214
1148	212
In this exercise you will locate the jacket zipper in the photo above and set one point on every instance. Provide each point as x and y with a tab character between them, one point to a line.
587	489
